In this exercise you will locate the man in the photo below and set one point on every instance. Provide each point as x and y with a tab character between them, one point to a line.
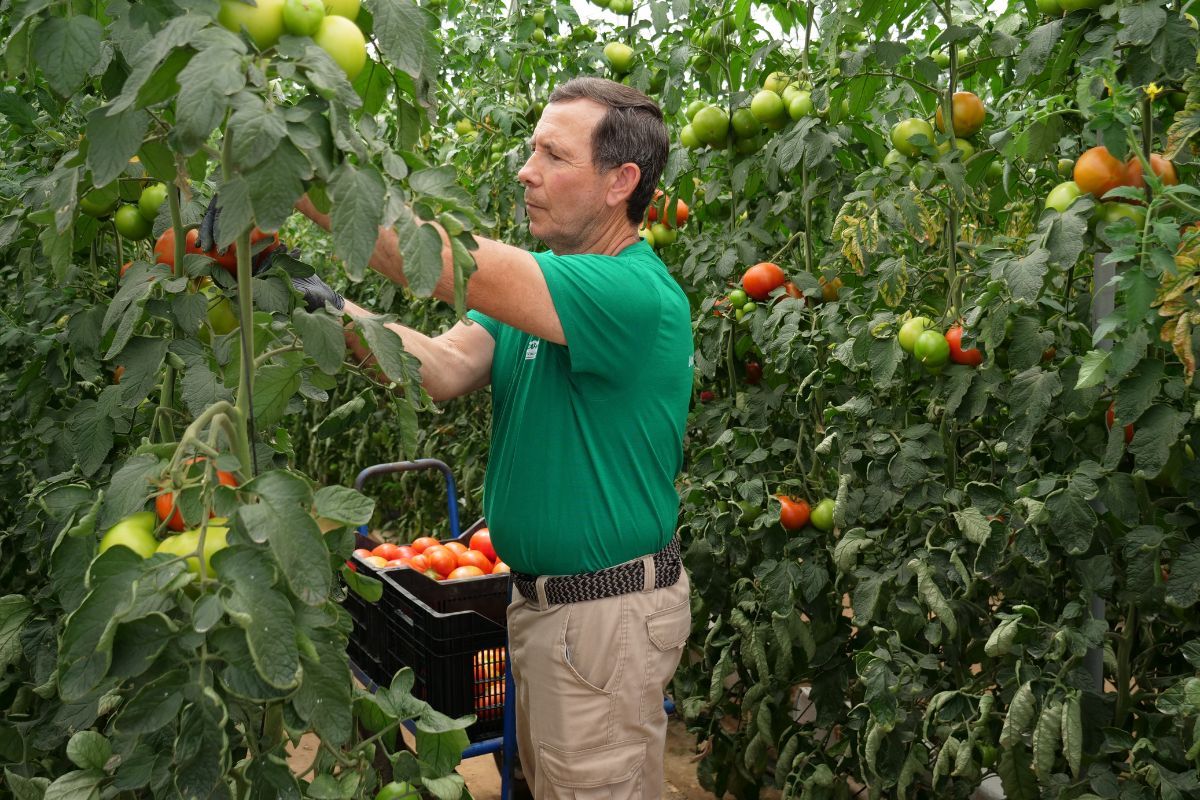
587	348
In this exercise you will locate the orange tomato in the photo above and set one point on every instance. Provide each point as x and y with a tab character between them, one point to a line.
457	547
659	208
1098	171
464	572
969	114
164	248
118	372
442	561
125	268
763	278
419	562
794	513
420	544
474	558
500	568
793	290
165	503
481	540
1163	168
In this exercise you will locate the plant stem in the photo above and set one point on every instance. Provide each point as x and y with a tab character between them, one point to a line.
244	419
1124	651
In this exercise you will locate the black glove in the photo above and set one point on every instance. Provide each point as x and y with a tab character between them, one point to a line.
208	240
317	293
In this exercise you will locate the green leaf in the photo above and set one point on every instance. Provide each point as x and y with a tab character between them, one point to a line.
1030	397
91	429
1016	774
81	784
323	337
1073	521
1155	433
324	697
397	364
433	721
366	587
974	526
14	610
344	504
421	249
1141	23
282	518
89	750
112	141
25	788
276	184
446	787
138	644
402	30
274	387
180	30
202	758
1039	44
1093	369
441	752
263	612
1183	585
256	131
154	706
66	48
358	204
1026	274
206	84
142	359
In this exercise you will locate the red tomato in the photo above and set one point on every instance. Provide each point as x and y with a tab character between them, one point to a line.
387	551
794	513
481	540
457	547
464	572
793	290
164	248
442	561
763	278
1110	417
406	551
474	558
362	552
1163	168
659	206
419	562
971	357
419	545
753	372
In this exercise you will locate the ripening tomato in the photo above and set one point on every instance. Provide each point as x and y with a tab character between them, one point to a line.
1098	171
165	503
762	279
457	547
793	290
969	114
420	545
362	552
375	561
1163	168
501	567
793	514
419	562
442	560
465	572
387	551
971	357
660	207
164	248
406	551
474	558
481	540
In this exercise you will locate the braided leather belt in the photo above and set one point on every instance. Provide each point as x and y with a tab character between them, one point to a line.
609	582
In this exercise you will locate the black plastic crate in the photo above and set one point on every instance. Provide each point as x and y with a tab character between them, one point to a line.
456	654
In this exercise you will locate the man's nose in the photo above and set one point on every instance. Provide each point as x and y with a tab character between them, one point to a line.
526	173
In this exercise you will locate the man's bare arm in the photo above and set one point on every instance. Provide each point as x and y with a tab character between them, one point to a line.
507	285
453	364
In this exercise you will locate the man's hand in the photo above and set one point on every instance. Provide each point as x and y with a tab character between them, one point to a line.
317	293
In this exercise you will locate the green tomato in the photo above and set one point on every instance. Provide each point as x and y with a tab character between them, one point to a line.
964	148
1081	5
131	224
344	42
711	125
135	532
343	8
539	18
906	135
151	199
620	57
932	349
777	82
995	170
583	33
1112	212
821	516
767	107
662	234
221	314
745	124
463	126
1051	7
801	104
216	538
910	330
747	146
99	202
647	235
693	108
1062	196
303	17
687	138
942	59
263	22
738	298
398	790
1065	167
895	157
538	36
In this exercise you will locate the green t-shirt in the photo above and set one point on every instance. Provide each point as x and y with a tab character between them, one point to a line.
587	439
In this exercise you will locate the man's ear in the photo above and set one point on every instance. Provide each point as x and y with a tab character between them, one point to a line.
624	182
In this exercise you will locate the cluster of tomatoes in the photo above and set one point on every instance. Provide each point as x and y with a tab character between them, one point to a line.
1098	172
450	561
330	24
794	514
911	136
934	348
132	201
488	673
663	219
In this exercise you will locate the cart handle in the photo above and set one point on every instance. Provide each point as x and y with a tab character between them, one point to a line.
376	470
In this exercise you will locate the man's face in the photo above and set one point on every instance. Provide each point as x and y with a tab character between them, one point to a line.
565	197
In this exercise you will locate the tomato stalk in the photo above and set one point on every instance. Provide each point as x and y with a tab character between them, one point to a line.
954	295
244	419
166	401
1124	653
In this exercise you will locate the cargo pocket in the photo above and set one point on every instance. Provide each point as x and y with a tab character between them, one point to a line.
667	631
610	772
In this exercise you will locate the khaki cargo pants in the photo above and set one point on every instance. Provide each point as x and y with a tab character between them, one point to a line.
590	678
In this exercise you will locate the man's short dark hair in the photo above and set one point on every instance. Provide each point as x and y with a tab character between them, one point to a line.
631	131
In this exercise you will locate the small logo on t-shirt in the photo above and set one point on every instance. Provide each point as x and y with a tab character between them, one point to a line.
531	349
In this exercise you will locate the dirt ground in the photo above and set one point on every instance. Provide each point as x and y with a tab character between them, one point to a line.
483	780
